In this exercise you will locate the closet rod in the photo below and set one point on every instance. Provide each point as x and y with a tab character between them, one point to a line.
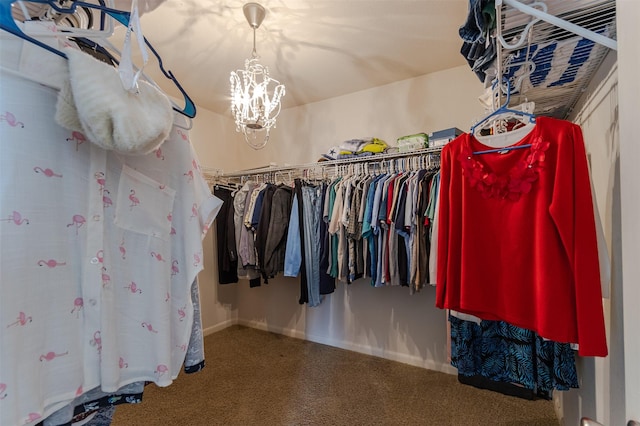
576	29
367	159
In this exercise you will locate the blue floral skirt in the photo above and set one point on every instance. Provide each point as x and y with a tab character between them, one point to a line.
504	353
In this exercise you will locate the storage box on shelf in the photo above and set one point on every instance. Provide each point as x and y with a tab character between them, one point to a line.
413	142
442	137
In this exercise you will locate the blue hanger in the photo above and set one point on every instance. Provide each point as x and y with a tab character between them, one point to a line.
8	24
504	110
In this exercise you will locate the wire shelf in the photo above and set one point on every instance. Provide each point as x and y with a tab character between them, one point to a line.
555	65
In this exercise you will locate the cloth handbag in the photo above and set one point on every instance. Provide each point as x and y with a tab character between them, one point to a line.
95	103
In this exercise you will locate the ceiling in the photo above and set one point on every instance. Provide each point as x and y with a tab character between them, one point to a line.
317	49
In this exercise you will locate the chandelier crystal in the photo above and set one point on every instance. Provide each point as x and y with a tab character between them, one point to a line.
255	96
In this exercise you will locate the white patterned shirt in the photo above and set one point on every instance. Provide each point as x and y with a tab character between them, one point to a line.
98	254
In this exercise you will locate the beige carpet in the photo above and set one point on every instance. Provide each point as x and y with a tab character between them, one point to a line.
254	377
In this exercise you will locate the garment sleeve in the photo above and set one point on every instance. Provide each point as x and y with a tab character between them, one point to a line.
572	211
334	224
375	208
293	256
231	234
325	206
443	227
433	254
278	225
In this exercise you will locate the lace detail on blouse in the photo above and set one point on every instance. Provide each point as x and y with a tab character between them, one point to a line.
519	180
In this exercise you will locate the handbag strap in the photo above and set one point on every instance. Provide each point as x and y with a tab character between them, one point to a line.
128	77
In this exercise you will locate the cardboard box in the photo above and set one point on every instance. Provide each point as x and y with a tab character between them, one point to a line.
442	137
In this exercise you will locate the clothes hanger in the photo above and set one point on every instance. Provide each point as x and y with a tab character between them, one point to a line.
96	50
227	185
502	113
8	24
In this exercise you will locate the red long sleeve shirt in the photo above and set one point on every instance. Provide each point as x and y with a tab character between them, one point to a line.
516	238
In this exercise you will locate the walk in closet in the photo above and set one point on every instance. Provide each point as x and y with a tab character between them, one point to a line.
117	257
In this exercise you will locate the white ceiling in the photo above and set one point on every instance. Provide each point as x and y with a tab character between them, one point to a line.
317	49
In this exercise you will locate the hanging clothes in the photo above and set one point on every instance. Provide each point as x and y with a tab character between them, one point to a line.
275	245
354	226
246	269
525	217
311	220
246	246
261	227
327	282
226	238
89	241
304	291
504	353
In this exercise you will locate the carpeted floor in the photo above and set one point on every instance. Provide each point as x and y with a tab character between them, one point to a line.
254	377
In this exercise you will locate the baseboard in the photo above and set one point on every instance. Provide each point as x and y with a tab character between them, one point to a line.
350	346
259	325
385	353
218	327
558	406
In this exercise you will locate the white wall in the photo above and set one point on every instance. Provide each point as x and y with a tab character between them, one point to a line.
610	387
601	393
388	321
628	12
209	137
428	103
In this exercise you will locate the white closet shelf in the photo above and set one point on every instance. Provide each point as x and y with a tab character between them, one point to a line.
568	42
322	169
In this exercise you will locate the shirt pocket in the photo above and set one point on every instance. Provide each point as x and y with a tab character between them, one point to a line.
143	204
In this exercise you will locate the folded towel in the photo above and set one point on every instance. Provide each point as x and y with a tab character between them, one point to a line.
354	145
376	146
348	156
332	153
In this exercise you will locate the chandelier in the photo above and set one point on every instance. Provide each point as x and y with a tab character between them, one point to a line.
255	97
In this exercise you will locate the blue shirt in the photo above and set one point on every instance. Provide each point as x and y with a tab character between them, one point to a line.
293	257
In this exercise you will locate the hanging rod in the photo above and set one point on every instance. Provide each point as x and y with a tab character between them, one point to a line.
576	29
325	164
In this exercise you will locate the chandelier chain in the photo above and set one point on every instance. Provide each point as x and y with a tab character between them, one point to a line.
254	53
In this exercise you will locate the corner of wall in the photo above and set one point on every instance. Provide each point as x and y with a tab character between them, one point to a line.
219	327
558	407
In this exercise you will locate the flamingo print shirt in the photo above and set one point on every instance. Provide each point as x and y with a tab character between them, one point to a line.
99	252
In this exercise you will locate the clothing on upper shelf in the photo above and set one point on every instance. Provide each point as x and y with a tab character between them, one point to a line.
477	47
556	63
522	216
99	255
355	148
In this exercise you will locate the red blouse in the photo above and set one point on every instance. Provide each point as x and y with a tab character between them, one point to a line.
517	239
